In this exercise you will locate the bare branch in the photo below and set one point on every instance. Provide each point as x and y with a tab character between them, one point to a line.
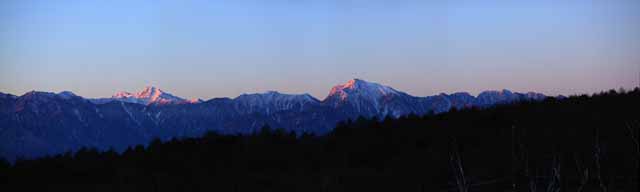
583	173
456	165
632	134
597	155
554	184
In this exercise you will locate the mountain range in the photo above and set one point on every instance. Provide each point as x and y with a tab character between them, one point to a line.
42	123
149	95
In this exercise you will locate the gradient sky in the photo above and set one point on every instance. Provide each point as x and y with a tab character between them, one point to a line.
209	49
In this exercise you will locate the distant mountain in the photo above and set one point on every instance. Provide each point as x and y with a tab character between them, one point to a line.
362	98
40	123
273	102
149	95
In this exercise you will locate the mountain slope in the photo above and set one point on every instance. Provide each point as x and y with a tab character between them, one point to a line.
362	98
40	123
273	101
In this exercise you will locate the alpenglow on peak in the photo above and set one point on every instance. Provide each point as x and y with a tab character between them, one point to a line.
148	95
360	88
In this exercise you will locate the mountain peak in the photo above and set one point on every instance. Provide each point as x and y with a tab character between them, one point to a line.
354	82
122	94
358	96
486	98
153	93
38	93
37	96
67	94
275	95
272	92
273	101
150	87
357	83
359	87
150	95
7	96
150	90
503	92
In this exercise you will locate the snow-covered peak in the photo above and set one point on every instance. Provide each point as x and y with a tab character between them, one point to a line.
122	94
196	100
150	95
273	101
371	99
361	88
150	92
274	96
496	94
492	97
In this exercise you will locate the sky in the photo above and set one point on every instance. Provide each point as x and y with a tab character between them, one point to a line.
208	49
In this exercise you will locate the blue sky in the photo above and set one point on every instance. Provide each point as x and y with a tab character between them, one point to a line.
223	48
